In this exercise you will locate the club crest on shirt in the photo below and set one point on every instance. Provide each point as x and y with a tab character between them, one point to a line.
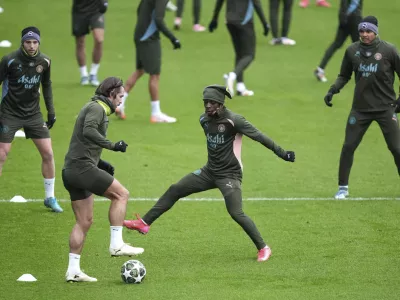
378	56
221	128
39	69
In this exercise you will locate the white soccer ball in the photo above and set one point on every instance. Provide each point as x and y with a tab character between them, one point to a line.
133	271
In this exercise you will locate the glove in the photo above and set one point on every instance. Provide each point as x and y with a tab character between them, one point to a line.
176	43
103	165
289	156
213	25
266	29
51	119
397	106
328	97
103	7
120	146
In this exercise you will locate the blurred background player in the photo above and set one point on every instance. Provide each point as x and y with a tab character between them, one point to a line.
349	18
171	6
150	21
88	15
286	19
224	130
196	16
21	73
239	21
374	63
322	3
85	174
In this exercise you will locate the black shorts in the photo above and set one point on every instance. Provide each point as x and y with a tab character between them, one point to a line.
82	185
34	127
148	56
83	23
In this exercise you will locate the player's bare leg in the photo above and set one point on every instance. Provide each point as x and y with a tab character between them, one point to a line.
48	172
81	59
83	210
119	199
129	84
156	115
98	37
4	150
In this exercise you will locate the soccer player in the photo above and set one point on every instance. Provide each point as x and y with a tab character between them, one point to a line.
85	174
374	63
322	3
150	21
88	15
239	21
287	17
349	18
224	130
196	16
21	73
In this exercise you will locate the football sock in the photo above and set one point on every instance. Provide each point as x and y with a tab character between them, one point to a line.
240	87
122	105
94	68
155	107
83	71
116	237
49	187
74	265
343	187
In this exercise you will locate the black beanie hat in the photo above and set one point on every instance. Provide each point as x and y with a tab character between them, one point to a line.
216	93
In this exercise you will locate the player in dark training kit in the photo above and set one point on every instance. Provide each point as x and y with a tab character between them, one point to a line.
224	131
239	21
21	73
88	15
349	18
374	63
150	21
196	15
286	20
84	173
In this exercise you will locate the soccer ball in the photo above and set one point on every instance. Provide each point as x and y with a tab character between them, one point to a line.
133	271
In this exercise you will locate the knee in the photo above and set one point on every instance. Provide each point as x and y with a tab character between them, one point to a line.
47	156
349	148
236	214
3	155
123	195
174	190
80	43
395	149
86	223
98	41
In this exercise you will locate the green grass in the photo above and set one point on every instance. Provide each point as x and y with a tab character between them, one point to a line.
321	249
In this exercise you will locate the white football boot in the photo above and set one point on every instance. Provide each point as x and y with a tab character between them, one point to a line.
126	250
288	42
162	118
342	194
79	277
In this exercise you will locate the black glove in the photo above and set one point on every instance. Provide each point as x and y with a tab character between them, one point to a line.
106	167
176	43
266	29
103	7
397	106
120	146
328	97
213	25
51	119
289	156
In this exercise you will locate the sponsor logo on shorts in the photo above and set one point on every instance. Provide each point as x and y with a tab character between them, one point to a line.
4	128
197	172
352	120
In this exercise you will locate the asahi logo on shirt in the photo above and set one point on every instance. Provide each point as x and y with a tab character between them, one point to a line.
215	139
367	70
29	82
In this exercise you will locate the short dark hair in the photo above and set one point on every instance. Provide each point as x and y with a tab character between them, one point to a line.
108	85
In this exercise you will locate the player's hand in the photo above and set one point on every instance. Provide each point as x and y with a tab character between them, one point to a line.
328	99
289	156
120	146
213	25
51	119
103	7
266	29
103	165
176	43
397	106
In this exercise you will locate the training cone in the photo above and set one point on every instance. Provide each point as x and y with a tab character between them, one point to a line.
5	44
27	278
20	133
18	199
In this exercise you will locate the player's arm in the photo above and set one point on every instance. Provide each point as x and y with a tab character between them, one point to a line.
159	19
217	9
260	13
3	69
344	76
47	89
352	7
396	67
245	127
90	128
